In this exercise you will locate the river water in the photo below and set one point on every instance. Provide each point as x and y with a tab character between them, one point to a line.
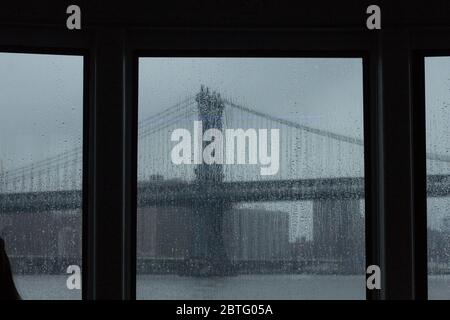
229	288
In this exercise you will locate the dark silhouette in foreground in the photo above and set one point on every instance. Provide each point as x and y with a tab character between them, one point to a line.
8	290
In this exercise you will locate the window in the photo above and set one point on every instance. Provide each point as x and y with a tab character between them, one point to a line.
250	178
41	108
437	93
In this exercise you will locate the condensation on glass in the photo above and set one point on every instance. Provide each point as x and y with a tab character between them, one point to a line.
250	178
41	105
437	95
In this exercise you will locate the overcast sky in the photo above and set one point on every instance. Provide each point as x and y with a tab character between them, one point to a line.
41	100
41	96
324	93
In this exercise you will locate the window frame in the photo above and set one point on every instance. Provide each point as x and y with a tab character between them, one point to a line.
273	44
12	41
392	56
431	42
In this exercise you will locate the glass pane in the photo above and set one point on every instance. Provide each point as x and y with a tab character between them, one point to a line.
437	95
41	105
251	175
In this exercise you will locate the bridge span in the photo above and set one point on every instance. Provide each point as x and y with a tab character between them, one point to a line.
179	193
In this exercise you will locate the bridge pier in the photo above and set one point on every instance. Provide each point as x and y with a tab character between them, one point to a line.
208	256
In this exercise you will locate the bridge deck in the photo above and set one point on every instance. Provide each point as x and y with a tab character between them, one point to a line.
174	193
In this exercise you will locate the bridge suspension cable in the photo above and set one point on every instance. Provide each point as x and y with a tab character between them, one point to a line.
320	132
324	133
171	116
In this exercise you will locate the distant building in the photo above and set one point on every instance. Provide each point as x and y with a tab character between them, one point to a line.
163	232
43	234
446	224
249	234
257	234
338	234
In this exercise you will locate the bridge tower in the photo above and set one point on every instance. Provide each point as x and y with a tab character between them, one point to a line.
208	256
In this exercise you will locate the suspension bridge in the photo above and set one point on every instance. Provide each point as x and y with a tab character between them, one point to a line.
315	165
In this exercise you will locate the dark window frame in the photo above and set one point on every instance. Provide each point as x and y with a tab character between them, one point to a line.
28	41
250	43
395	178
431	42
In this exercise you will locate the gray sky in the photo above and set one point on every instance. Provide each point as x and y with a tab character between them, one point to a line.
41	100
41	97
324	93
437	95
